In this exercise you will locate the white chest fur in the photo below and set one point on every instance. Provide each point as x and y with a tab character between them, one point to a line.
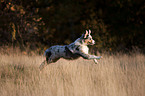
84	49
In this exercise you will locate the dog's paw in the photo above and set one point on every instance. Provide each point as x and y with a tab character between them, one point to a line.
96	62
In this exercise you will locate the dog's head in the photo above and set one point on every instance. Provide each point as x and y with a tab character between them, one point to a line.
87	38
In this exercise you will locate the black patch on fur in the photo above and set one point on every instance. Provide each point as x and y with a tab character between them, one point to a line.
48	54
70	55
77	48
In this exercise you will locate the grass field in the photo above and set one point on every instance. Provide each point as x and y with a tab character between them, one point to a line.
115	75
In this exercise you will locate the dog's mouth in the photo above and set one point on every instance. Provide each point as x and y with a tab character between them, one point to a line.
91	43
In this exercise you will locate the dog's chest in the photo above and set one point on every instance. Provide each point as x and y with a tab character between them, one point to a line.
84	49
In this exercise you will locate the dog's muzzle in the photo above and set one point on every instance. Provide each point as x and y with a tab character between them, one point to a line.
93	42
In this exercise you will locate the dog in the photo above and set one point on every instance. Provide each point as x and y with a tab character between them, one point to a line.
79	48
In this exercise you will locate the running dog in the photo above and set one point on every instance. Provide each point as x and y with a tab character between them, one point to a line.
72	51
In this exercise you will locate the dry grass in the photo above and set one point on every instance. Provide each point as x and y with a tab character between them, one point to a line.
116	75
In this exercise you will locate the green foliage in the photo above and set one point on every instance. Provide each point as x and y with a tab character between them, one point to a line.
115	24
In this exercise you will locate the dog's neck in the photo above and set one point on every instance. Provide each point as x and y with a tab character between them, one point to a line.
80	42
83	46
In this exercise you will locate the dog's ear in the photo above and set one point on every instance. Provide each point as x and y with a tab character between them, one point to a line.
89	31
85	34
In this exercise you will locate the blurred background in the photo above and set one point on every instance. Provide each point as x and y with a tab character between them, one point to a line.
117	25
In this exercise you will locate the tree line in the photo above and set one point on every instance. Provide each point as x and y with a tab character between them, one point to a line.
116	24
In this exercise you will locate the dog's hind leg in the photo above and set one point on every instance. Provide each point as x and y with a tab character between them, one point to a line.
49	60
43	64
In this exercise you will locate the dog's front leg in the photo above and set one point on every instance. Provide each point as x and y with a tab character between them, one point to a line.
88	56
94	57
97	57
